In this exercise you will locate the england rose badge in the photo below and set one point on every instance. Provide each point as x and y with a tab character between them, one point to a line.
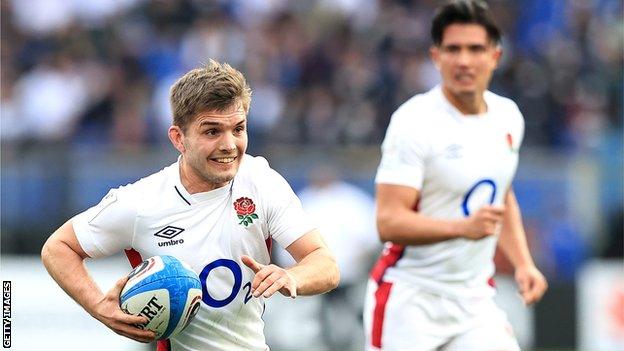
245	210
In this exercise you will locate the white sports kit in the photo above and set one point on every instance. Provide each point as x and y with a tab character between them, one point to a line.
439	296
210	231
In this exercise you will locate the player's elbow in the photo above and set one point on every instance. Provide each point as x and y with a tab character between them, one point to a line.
385	225
47	251
332	273
56	250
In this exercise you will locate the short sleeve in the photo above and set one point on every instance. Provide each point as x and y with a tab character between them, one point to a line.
108	227
403	153
287	220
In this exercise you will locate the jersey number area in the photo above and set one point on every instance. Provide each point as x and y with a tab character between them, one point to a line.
237	273
479	194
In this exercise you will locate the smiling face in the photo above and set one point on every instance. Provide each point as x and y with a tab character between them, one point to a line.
212	148
466	58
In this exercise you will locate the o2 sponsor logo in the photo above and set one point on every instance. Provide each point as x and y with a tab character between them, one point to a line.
237	273
483	191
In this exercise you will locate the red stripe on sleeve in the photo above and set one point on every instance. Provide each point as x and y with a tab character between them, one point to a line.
269	244
163	345
134	257
381	297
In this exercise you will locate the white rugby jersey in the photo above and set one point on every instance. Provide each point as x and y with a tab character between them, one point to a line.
210	231
458	163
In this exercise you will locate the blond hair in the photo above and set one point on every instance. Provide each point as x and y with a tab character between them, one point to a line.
213	87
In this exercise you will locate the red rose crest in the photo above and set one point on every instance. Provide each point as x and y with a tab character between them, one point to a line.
510	143
245	210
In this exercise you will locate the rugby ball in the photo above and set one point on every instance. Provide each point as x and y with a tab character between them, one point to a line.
166	291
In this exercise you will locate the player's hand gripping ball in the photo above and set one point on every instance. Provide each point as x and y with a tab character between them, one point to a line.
166	291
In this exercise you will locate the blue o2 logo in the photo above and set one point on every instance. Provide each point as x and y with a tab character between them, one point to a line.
237	273
487	183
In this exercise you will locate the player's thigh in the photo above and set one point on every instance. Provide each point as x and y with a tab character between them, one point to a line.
397	318
490	331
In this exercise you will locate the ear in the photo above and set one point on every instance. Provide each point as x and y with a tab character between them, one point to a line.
434	52
496	55
176	135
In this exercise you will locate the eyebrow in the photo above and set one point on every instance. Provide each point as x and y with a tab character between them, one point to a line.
462	44
465	44
215	123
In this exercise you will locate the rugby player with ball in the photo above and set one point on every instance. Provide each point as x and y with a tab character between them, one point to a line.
217	207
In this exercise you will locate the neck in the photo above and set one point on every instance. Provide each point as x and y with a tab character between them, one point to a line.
467	104
191	181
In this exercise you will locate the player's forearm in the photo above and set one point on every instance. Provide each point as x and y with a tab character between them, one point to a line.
512	239
316	273
67	268
406	227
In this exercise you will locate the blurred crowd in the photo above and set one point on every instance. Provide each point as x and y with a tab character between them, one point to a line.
324	72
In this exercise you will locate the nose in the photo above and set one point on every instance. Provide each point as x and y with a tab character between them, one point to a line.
227	143
463	58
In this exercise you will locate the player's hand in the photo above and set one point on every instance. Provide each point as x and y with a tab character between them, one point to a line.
269	279
108	312
485	222
531	283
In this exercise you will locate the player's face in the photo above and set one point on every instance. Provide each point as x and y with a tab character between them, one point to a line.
466	59
213	145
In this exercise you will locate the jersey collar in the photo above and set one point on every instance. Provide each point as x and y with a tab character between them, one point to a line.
457	114
197	197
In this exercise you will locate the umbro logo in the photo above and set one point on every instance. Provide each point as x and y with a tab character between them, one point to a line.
453	151
169	232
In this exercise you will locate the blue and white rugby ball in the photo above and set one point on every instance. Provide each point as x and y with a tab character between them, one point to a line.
166	291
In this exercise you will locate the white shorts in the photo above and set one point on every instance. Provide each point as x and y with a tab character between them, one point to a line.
400	317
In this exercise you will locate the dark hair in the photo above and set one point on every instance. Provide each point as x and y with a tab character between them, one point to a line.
464	11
